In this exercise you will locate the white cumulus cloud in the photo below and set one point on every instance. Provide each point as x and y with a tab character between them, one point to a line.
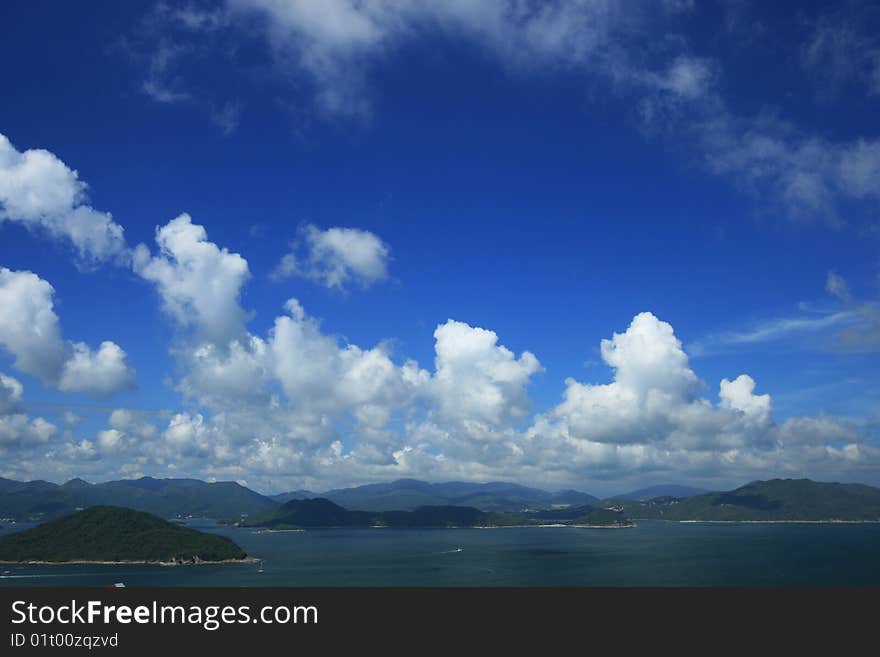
31	331
16	428
99	372
41	192
476	379
336	257
199	283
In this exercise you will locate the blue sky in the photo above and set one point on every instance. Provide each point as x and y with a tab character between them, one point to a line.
547	172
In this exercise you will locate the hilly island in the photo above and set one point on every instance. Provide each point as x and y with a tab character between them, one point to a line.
319	512
109	534
776	500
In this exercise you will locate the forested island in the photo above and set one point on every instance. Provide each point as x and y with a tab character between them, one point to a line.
109	534
319	512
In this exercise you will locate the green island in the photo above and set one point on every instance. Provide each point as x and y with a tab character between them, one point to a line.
775	500
320	512
111	534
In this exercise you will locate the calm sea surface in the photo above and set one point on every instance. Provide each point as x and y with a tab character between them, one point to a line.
653	554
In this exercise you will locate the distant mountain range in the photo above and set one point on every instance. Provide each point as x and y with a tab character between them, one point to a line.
778	499
164	497
228	500
410	494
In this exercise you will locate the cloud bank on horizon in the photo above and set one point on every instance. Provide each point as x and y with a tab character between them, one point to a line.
282	403
274	407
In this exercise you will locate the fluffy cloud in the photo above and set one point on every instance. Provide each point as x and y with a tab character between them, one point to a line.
314	370
218	377
38	190
336	257
29	327
738	395
31	332
10	394
651	419
99	372
131	422
477	381
652	379
298	404
331	413
297	390
17	430
199	284
188	435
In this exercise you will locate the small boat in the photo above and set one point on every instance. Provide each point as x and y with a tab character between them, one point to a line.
260	569
7	572
117	585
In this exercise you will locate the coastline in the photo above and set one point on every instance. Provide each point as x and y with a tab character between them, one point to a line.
782	522
133	562
628	526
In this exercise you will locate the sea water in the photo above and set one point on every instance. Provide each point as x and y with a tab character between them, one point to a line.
655	553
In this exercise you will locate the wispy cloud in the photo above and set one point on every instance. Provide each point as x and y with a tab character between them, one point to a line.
854	326
330	51
771	331
843	50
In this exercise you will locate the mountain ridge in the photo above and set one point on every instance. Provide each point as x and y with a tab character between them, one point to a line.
773	500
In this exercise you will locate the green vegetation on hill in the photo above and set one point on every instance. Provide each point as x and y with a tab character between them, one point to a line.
321	512
108	533
773	500
324	513
410	494
603	518
316	512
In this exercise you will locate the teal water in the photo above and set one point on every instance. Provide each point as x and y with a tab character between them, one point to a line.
655	553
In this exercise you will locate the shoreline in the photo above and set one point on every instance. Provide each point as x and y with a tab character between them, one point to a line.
628	526
133	562
780	522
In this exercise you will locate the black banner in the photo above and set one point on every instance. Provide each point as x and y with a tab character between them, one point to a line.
129	621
